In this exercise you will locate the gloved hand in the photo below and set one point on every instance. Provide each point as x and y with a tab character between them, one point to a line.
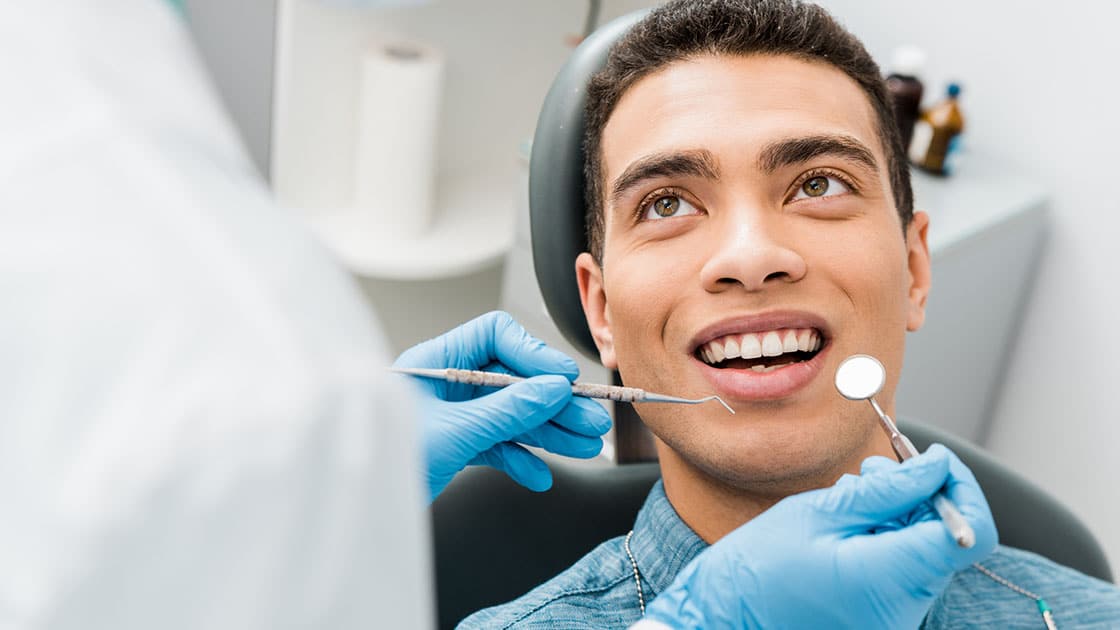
865	553
466	424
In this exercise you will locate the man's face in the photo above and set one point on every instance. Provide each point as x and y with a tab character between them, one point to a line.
748	211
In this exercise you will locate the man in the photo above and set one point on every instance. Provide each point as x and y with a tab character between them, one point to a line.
750	226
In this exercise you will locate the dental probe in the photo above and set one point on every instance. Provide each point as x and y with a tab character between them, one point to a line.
860	377
616	393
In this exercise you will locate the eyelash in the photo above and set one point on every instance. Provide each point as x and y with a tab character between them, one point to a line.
820	172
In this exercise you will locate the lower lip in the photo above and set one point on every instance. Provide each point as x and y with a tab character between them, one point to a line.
746	384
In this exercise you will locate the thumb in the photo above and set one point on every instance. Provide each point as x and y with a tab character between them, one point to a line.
885	493
516	409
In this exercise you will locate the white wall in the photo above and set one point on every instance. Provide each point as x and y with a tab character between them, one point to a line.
1039	90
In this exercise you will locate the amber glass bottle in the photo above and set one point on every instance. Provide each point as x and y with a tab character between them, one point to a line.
937	134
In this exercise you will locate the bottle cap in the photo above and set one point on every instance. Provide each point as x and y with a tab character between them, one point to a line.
908	61
954	90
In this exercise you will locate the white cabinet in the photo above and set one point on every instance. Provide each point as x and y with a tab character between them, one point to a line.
986	235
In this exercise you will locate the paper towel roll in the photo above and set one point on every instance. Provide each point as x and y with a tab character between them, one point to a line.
398	116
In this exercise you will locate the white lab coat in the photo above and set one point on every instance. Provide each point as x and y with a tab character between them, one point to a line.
196	427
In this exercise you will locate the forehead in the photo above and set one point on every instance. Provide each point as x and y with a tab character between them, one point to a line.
733	106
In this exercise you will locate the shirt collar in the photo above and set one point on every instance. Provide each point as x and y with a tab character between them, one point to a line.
662	543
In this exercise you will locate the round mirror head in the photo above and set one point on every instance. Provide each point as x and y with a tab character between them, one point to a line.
860	377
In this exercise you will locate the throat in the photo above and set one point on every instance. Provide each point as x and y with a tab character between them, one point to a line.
708	506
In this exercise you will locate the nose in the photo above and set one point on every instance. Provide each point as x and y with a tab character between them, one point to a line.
752	251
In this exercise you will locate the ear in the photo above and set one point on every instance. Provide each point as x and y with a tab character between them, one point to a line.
917	262
590	277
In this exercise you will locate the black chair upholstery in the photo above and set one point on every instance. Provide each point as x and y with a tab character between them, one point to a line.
495	541
556	200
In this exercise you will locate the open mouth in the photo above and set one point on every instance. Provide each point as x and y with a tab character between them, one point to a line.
762	351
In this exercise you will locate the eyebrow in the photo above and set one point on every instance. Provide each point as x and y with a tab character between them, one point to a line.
697	163
798	150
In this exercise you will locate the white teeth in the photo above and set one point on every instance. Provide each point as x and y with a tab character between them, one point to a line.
750	347
789	344
771	345
763	369
753	346
804	340
731	349
717	353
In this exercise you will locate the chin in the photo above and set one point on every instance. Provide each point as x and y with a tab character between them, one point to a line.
779	461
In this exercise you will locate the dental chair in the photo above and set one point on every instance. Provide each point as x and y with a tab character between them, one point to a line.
495	541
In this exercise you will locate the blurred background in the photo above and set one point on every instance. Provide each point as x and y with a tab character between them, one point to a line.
1023	229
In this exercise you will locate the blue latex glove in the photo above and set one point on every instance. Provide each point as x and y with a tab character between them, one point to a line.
866	553
466	424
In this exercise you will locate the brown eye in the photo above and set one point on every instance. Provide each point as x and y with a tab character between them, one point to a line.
815	186
666	206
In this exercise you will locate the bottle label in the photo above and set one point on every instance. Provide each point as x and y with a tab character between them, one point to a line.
951	155
919	144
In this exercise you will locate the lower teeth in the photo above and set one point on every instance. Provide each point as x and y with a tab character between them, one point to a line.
768	368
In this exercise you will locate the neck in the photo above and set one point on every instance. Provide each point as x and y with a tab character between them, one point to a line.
714	508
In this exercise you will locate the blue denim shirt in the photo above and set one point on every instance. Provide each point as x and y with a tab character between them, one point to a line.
599	590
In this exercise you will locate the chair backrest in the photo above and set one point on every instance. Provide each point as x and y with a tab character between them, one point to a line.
495	541
556	192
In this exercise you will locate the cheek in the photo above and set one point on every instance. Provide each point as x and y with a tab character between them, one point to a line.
869	268
643	287
869	265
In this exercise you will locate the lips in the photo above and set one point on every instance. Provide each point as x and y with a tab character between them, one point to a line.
762	357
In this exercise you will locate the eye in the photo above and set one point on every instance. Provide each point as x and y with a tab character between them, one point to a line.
821	186
667	206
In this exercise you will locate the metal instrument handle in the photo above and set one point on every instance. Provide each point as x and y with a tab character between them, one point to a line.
609	392
485	379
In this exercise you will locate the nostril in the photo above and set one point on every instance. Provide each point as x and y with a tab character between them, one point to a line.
777	275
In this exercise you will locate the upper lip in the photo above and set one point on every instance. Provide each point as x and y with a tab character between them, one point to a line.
760	322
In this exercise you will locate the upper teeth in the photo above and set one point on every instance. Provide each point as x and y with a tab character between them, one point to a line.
762	344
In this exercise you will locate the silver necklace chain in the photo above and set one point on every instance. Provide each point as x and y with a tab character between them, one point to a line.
1043	609
637	578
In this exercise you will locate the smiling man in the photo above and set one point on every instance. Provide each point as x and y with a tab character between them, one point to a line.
751	224
750	243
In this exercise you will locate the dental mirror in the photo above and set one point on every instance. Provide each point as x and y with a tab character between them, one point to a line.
860	377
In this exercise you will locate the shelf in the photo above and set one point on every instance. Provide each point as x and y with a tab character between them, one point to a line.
472	230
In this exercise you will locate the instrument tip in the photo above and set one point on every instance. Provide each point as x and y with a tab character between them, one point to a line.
725	405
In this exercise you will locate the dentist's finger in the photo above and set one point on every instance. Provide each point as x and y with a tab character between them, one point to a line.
517	462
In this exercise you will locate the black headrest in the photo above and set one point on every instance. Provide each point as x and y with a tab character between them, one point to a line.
556	200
